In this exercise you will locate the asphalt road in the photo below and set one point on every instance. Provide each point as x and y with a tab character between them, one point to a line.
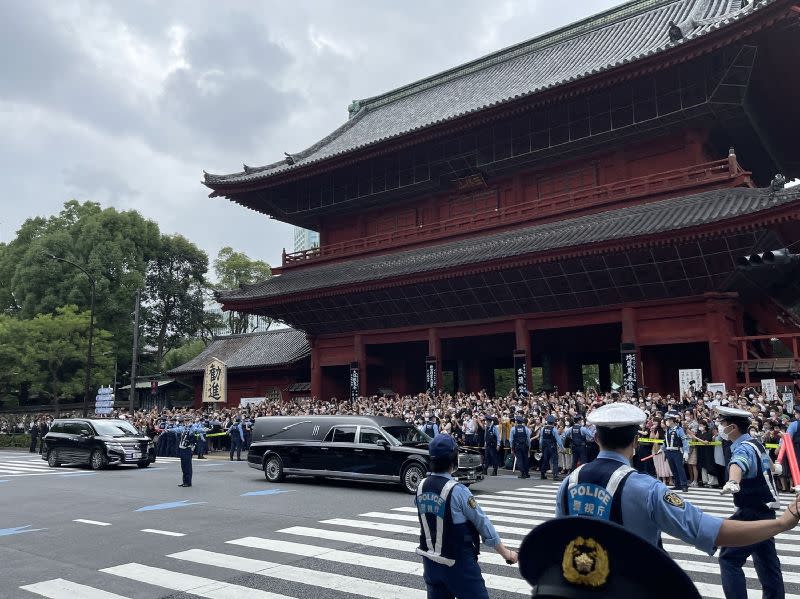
299	538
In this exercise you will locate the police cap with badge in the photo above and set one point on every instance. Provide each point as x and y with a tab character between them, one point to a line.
576	557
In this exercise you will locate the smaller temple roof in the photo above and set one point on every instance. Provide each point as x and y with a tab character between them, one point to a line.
280	347
620	36
665	216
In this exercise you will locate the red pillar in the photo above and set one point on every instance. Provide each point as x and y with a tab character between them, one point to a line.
720	327
360	353
435	350
523	342
316	370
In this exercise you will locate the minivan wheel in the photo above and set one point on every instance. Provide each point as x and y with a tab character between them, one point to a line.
52	458
412	477
98	460
273	469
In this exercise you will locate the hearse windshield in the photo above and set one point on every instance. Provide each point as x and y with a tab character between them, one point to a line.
407	435
115	428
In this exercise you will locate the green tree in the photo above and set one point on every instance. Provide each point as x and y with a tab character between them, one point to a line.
234	269
115	247
173	297
184	353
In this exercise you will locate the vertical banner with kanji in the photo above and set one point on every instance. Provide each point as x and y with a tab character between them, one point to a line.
630	379
431	372
520	374
355	382
769	388
215	382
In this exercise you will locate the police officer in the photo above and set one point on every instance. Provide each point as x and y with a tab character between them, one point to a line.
185	449
199	429
794	431
521	446
609	489
430	427
492	447
676	445
579	437
451	526
237	438
549	444
756	498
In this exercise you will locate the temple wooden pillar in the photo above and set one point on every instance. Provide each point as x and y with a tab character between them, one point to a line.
435	351
473	376
523	343
559	372
316	370
721	327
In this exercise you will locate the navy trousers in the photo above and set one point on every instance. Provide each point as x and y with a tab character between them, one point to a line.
462	580
186	465
675	459
765	562
236	447
523	460
549	459
491	459
578	456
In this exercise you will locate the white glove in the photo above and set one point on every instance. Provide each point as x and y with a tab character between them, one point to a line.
685	456
731	487
777	469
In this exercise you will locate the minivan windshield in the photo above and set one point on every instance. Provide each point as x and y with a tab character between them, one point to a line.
407	435
115	428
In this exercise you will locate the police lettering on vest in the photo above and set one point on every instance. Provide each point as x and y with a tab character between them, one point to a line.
577	437
519	438
548	434
594	490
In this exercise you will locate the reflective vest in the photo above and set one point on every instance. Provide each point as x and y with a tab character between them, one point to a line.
429	430
673	440
595	490
758	492
548	435
491	436
578	440
519	440
440	540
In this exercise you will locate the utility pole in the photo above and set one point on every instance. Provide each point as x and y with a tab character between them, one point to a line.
135	361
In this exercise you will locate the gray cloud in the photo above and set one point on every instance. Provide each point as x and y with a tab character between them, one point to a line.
126	103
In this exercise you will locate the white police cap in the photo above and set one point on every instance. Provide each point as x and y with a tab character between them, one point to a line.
616	415
733	412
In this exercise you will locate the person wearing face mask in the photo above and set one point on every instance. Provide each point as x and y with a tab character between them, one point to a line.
610	489
755	496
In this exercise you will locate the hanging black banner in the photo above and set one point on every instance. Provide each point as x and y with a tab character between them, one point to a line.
520	374
630	380
355	382
431	375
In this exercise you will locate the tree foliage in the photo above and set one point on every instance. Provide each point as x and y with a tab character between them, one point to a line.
234	269
173	297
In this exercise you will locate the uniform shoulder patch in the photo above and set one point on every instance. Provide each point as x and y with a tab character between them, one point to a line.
472	503
674	499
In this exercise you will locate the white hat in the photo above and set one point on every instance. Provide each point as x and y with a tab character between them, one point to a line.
616	415
733	412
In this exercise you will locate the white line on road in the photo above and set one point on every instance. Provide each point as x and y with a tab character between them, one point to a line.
194	585
166	533
58	588
95	522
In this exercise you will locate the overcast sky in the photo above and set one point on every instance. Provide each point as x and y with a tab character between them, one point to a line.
126	103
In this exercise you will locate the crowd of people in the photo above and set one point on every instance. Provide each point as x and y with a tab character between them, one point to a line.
466	417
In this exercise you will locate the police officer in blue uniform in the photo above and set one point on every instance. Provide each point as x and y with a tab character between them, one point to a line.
491	452
430	427
237	438
756	498
521	446
199	430
549	444
579	437
451	526
610	489
676	446
186	443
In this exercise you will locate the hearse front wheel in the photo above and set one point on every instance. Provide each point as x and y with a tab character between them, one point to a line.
273	469
411	477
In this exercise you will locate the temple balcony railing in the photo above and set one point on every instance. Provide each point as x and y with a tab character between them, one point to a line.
767	357
726	171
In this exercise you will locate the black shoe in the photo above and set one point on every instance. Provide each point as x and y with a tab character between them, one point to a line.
184	485
543	477
201	457
675	488
238	459
685	489
521	476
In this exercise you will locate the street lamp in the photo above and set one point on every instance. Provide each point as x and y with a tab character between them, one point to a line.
86	387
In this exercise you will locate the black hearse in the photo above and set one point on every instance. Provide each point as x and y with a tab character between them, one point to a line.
352	447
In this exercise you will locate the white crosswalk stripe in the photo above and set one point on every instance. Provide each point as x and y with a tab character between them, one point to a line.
19	465
372	554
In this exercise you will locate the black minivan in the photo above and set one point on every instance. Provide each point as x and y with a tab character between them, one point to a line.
96	442
367	448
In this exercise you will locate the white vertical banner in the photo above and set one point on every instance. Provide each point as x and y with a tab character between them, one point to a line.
685	378
770	390
716	388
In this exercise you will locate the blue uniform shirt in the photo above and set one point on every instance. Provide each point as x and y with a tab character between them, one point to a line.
792	429
646	511
744	456
587	434
236	427
462	510
556	436
198	429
